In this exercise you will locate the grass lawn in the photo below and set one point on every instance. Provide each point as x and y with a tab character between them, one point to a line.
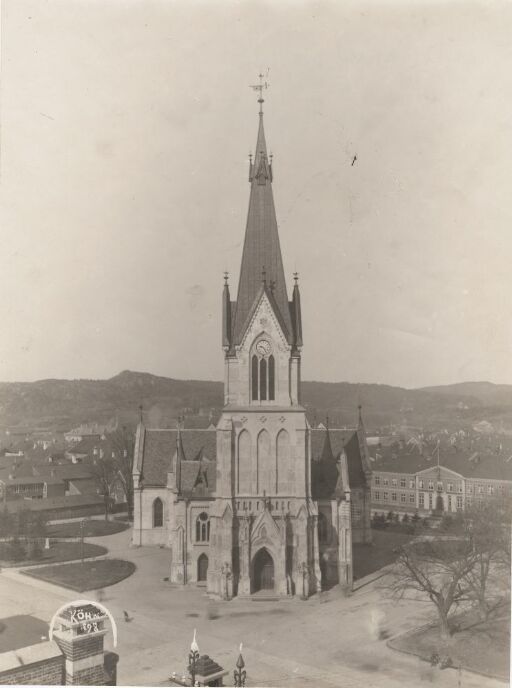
370	558
92	575
92	528
59	551
479	646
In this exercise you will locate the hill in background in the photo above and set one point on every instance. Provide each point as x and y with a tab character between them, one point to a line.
61	404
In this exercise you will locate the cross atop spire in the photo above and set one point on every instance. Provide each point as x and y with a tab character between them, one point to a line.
260	87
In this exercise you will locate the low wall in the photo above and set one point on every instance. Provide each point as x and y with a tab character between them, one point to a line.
41	664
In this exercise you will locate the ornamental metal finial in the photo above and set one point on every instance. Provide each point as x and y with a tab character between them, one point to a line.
240	674
193	658
226	277
259	87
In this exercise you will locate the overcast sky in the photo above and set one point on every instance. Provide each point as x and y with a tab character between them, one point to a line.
126	129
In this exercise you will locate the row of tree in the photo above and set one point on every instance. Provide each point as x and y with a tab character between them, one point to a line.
469	567
116	469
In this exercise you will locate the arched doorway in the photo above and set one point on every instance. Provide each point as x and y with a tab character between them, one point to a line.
202	568
263	571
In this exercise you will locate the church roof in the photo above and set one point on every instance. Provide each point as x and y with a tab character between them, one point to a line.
261	258
326	447
198	465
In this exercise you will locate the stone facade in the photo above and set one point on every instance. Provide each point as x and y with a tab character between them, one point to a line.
434	490
242	503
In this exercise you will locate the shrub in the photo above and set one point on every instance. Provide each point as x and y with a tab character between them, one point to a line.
405	518
434	659
445	661
447	522
379	521
35	550
390	516
415	517
16	550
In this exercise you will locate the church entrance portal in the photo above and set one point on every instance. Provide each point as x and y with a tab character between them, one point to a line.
202	568
263	571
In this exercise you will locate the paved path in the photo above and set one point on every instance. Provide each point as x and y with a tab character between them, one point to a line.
286	643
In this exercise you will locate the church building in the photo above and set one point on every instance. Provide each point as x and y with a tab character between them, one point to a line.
263	504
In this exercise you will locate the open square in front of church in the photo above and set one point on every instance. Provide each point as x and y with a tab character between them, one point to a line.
331	639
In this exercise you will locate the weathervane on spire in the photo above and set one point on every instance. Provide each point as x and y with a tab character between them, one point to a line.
260	87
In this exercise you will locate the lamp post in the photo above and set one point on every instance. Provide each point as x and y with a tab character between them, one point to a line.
239	674
193	656
82	524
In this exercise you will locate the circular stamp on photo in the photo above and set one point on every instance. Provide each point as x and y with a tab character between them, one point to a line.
83	617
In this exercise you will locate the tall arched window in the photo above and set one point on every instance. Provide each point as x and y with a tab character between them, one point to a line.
323	528
263	372
263	380
202	527
283	463
254	375
158	513
244	463
265	469
271	378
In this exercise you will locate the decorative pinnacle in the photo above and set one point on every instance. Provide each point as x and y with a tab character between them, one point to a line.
226	277
259	87
141	409
194	646
296	277
263	275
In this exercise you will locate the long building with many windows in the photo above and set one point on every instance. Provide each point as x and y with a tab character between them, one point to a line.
405	481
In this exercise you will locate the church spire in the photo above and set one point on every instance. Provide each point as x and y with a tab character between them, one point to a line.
261	245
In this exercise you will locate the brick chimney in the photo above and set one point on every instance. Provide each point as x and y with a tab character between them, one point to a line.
80	633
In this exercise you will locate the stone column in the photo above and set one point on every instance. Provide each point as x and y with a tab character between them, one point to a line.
315	564
244	584
344	544
178	555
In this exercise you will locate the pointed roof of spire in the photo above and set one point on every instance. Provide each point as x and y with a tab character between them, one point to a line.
262	251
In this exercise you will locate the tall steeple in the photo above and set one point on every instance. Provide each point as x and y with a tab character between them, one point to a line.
262	252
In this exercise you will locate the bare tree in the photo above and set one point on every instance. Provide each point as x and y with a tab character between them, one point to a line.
105	473
436	568
488	527
123	444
